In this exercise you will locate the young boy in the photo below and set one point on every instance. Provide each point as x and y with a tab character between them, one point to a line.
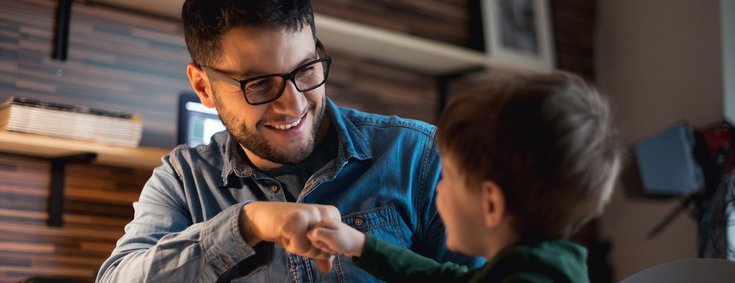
526	162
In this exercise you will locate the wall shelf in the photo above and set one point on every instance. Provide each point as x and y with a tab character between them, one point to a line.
53	147
404	50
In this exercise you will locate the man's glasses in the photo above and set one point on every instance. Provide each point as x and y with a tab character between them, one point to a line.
267	88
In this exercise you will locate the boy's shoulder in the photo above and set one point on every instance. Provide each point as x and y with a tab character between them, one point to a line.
545	261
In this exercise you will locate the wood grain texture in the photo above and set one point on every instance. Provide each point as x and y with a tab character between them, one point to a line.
98	205
116	61
574	23
440	20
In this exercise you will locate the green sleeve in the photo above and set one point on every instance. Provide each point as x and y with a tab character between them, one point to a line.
394	264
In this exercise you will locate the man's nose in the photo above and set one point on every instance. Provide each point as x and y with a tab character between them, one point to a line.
291	102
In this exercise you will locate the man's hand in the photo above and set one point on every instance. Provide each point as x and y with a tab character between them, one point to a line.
286	224
333	236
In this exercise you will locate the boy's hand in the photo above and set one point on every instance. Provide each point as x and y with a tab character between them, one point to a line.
333	236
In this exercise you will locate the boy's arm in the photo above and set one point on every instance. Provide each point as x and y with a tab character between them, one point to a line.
381	259
394	264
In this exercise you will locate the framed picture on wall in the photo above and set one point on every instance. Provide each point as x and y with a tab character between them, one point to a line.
519	31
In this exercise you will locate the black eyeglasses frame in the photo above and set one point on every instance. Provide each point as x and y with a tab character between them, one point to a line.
291	76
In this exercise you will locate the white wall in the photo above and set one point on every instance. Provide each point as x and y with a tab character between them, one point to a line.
727	19
660	62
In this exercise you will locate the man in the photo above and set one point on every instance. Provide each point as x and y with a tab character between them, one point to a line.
214	212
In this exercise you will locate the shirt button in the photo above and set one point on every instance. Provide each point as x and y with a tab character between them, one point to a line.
359	221
225	258
274	188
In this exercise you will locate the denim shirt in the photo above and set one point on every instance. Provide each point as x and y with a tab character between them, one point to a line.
185	227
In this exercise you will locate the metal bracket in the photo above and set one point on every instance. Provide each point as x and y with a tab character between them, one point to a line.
56	197
61	30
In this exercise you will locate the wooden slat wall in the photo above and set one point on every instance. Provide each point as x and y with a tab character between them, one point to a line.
98	204
115	61
574	23
123	61
379	89
441	20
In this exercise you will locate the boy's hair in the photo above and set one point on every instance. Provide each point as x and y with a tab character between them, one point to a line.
546	140
206	21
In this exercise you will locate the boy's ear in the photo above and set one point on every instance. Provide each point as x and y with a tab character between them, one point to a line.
200	83
493	204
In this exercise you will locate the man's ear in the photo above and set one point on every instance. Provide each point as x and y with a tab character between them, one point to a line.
200	83
493	204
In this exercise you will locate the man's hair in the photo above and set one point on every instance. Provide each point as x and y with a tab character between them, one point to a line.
206	21
546	140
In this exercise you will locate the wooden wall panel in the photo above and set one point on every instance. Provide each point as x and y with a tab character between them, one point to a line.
440	20
574	33
98	205
381	89
116	61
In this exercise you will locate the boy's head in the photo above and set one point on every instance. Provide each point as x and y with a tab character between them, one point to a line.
545	141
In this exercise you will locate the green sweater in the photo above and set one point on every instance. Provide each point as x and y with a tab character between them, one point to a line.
546	261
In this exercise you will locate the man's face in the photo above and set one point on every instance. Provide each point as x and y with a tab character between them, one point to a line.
280	132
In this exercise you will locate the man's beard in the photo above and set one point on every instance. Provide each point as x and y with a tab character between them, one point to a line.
260	146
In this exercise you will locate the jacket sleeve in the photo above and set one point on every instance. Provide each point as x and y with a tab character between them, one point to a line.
394	264
161	244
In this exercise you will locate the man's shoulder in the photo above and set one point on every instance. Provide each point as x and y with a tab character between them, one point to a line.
213	152
363	120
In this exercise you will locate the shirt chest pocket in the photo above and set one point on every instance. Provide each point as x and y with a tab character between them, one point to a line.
382	222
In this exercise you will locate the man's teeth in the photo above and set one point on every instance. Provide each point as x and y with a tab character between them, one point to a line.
286	127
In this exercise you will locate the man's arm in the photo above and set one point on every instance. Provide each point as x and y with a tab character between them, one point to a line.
162	244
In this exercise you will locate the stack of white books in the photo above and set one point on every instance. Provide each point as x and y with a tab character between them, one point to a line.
74	122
